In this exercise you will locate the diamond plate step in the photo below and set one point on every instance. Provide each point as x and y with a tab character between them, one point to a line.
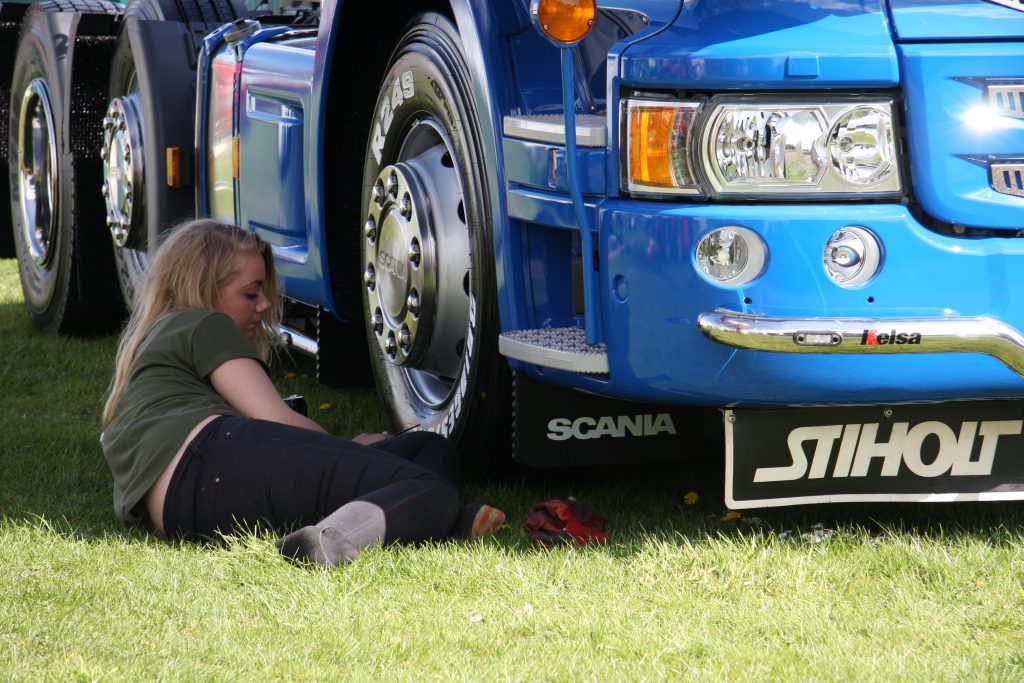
550	128
562	348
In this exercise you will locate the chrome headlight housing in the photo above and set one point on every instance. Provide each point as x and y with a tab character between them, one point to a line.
773	147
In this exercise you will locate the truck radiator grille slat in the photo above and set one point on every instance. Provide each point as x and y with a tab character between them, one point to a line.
1008	100
1008	178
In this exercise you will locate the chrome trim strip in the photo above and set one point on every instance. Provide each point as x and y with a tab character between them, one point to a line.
563	348
298	341
591	130
1007	178
1007	99
936	335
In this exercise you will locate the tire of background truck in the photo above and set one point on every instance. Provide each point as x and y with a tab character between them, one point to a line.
11	15
429	288
126	135
53	147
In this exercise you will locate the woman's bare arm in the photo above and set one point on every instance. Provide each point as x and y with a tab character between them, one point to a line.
246	387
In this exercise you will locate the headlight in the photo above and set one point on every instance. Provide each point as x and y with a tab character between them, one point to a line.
759	147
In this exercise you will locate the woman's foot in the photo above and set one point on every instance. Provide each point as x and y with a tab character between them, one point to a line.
323	546
477	520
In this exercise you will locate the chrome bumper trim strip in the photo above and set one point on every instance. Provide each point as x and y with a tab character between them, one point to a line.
866	335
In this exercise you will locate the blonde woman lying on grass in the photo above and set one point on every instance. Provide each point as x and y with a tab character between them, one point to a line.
200	443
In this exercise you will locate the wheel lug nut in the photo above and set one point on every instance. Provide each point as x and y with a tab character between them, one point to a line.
413	302
371	230
406	206
378	193
389	344
404	338
378	322
105	190
105	153
393	185
370	277
414	253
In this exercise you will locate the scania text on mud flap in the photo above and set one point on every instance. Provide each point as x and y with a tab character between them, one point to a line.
566	234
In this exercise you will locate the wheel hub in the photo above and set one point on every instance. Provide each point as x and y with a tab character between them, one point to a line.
400	268
37	168
122	156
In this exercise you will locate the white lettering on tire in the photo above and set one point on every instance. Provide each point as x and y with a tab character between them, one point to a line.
402	88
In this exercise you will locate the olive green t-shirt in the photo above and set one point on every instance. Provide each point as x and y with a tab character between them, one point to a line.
166	395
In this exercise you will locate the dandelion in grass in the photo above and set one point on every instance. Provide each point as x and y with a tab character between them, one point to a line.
325	406
291	375
730	516
691	498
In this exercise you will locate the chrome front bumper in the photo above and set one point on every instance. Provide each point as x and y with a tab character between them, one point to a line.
866	335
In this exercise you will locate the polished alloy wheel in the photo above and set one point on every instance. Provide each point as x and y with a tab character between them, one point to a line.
37	164
418	264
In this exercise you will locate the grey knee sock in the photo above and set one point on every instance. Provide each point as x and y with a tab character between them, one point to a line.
361	522
337	538
324	547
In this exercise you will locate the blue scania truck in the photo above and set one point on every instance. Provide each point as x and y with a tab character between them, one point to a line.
563	233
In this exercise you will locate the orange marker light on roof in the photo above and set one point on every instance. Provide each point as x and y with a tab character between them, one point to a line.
565	21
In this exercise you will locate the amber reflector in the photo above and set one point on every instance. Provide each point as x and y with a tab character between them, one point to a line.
566	21
650	132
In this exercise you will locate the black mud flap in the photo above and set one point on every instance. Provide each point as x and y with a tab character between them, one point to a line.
559	427
933	452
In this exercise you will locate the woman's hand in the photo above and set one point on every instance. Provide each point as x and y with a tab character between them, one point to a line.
370	439
246	387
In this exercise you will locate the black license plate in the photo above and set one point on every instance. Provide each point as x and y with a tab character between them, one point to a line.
935	452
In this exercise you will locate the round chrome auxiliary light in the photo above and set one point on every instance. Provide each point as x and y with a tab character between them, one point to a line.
853	255
731	256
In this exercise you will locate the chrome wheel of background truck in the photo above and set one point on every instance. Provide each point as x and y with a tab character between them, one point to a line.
66	273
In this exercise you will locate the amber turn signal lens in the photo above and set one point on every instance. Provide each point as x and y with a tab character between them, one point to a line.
566	21
650	132
657	146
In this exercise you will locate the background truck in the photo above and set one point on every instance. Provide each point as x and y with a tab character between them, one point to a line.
569	234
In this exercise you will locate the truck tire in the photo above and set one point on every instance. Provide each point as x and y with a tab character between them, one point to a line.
429	290
53	147
10	26
152	95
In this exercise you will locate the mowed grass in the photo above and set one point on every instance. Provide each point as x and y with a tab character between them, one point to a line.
824	593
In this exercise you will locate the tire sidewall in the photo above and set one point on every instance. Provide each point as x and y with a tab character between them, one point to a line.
129	273
42	52
441	88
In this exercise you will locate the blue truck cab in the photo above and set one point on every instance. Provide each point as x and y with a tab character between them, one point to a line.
802	218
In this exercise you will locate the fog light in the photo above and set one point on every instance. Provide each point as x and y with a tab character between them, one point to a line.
731	255
852	256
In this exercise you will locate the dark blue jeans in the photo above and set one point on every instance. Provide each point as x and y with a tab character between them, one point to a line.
244	474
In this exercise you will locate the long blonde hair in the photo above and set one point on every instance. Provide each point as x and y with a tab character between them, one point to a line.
188	272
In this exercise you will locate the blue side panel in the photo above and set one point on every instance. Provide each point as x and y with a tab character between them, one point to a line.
781	44
274	100
952	131
956	20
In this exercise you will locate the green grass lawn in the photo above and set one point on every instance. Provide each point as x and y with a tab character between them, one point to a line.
882	593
